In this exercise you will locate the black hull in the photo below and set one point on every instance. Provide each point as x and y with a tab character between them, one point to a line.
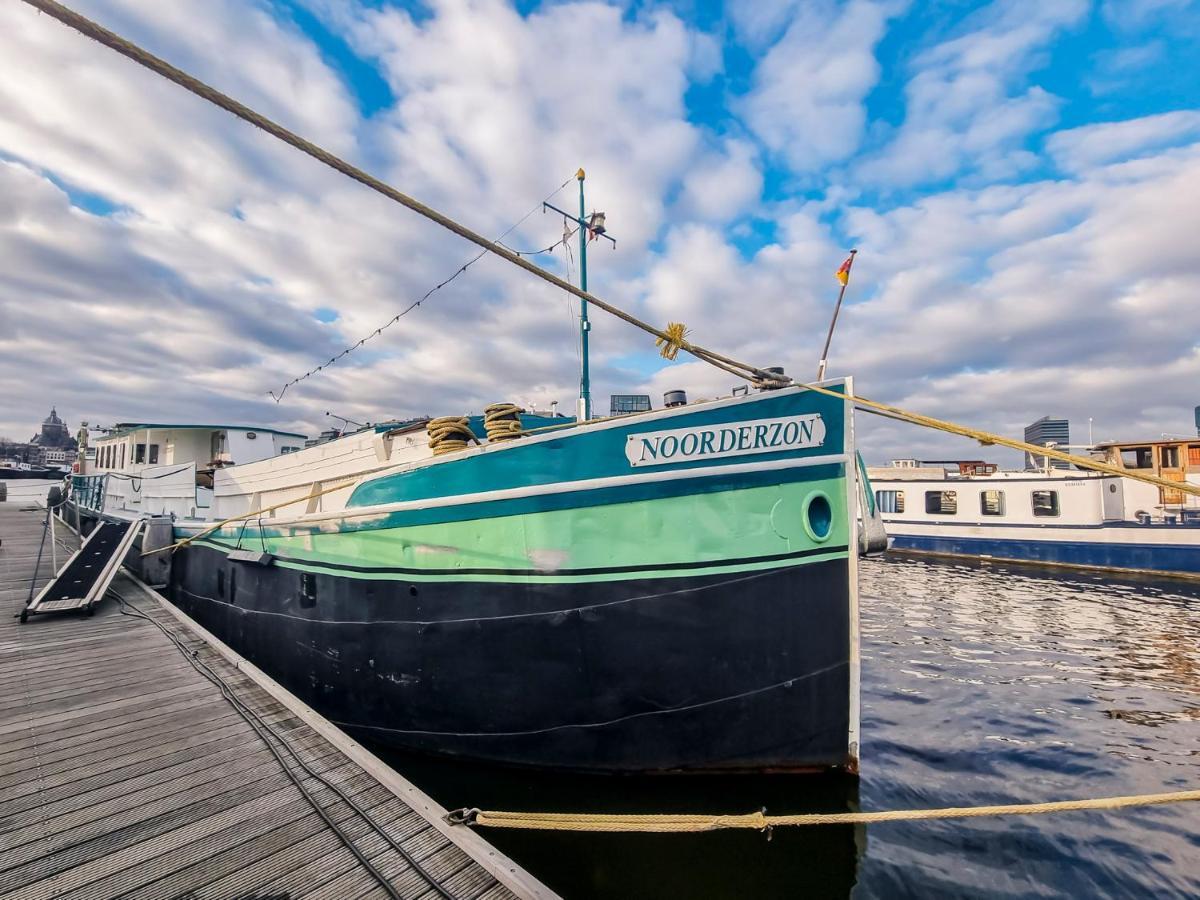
745	671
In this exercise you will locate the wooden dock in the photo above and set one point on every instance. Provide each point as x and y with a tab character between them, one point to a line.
126	772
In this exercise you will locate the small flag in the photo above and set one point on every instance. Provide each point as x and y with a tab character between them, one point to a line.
843	274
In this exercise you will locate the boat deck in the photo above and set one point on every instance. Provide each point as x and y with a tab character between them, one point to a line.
126	772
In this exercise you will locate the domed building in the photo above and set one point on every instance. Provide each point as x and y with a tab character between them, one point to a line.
53	443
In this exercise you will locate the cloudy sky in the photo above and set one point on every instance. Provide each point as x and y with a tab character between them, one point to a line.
1021	179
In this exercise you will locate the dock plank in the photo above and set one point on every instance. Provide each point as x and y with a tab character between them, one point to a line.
125	772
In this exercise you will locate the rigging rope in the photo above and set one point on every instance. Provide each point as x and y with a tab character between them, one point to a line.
751	373
761	822
429	293
988	438
144	58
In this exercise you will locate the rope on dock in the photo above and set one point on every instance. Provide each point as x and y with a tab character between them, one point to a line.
672	823
265	731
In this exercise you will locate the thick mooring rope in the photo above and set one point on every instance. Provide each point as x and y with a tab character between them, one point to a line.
502	422
760	821
449	434
142	57
988	438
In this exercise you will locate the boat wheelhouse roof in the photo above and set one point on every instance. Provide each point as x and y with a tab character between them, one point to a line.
123	428
1157	442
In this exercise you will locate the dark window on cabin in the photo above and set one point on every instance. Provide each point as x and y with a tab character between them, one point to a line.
1137	458
1045	503
308	590
941	502
1169	457
139	454
220	584
890	501
233	585
122	456
991	503
153	454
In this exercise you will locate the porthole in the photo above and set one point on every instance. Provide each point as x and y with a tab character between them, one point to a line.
817	516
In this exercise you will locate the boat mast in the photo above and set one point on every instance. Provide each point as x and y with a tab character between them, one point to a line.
589	227
585	385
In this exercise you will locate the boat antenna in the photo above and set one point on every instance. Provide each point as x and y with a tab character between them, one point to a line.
347	421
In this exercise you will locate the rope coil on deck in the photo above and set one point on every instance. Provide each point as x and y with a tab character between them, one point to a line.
688	822
449	434
502	421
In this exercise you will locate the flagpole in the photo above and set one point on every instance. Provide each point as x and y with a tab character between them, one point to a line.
833	322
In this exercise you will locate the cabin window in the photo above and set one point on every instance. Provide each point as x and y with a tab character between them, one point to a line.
890	501
153	457
991	503
941	502
122	456
1137	458
1194	454
220	584
139	454
1169	457
218	444
1045	503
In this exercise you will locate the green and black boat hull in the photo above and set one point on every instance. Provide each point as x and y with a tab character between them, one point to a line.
573	601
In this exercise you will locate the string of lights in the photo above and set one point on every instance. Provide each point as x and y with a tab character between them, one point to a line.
277	397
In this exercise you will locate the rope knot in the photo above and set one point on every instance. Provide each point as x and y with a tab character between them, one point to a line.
676	333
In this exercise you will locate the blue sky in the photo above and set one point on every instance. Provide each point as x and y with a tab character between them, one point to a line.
1020	179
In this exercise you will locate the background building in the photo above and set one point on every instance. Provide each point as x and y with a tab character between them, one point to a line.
1047	430
619	404
52	445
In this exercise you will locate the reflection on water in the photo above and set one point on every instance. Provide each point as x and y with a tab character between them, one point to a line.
981	684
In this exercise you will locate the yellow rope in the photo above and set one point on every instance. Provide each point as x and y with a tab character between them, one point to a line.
673	342
449	434
987	438
502	422
759	821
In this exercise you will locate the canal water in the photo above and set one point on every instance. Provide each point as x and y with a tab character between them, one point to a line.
982	684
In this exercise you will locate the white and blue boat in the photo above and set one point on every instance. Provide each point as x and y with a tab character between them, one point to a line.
1060	517
665	591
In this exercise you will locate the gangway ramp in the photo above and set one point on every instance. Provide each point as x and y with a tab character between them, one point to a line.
81	583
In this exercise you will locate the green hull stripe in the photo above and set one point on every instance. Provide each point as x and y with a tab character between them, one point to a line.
581	499
754	526
546	578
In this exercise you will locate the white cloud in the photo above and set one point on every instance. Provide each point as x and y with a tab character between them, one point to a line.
990	307
967	106
201	290
722	183
807	101
1082	148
